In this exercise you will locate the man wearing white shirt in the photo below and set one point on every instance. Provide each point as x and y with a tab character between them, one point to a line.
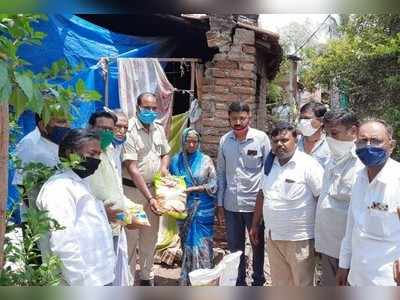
85	245
106	185
341	128
313	140
41	145
38	146
371	243
287	200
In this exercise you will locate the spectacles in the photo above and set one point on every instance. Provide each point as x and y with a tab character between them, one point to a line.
365	142
120	127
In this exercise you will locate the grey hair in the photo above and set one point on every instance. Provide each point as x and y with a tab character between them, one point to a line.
75	139
388	127
119	112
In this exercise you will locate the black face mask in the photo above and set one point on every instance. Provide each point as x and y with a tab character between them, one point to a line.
87	167
57	134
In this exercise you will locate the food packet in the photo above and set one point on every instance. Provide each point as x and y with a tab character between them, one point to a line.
170	193
132	213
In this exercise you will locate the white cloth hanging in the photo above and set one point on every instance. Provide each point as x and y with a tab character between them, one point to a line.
136	76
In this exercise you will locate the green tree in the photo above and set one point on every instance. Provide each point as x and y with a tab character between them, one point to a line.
365	61
21	89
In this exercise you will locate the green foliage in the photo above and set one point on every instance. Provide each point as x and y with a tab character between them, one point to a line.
392	116
30	271
26	90
275	93
24	268
365	62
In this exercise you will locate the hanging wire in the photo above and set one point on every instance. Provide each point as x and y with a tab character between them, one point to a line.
312	35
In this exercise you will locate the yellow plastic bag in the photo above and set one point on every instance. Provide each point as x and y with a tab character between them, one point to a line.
133	214
171	196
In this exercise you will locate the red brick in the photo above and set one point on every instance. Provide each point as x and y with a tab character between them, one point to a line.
226	64
208	97
243	90
248	99
213	123
224	81
217	130
211	139
242	74
221	89
221	114
245	82
207	88
221	106
216	72
225	97
247	66
241	57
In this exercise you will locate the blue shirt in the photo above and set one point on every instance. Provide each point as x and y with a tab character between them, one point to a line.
240	168
320	151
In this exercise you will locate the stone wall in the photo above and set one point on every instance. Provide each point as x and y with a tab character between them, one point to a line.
230	76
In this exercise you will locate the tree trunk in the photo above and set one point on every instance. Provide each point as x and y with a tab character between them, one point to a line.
4	140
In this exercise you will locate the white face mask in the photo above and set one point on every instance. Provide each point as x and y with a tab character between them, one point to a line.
306	128
339	149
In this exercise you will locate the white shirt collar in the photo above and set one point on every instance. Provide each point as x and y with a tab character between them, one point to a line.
292	160
385	175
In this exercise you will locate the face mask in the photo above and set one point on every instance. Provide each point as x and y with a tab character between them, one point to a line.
116	141
242	130
106	138
57	134
339	148
306	128
87	167
372	156
147	116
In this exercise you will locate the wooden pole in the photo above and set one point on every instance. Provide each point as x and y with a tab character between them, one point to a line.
4	140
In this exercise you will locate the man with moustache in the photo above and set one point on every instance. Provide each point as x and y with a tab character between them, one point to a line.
241	155
287	200
371	244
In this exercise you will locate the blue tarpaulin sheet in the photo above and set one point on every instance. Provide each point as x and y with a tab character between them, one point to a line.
81	42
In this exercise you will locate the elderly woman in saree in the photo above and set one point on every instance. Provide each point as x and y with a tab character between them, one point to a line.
196	231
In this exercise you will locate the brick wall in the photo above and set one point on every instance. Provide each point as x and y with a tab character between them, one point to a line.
230	76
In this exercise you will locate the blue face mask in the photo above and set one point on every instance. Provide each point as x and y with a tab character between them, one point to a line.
57	134
116	141
372	156
147	116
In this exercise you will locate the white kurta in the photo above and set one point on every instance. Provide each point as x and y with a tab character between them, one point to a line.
85	246
372	240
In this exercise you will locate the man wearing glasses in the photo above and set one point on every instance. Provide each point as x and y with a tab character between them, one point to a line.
372	239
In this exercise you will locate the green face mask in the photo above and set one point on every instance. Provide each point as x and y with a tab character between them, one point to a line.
106	138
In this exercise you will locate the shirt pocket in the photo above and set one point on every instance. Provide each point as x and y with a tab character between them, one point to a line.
252	162
381	224
293	188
